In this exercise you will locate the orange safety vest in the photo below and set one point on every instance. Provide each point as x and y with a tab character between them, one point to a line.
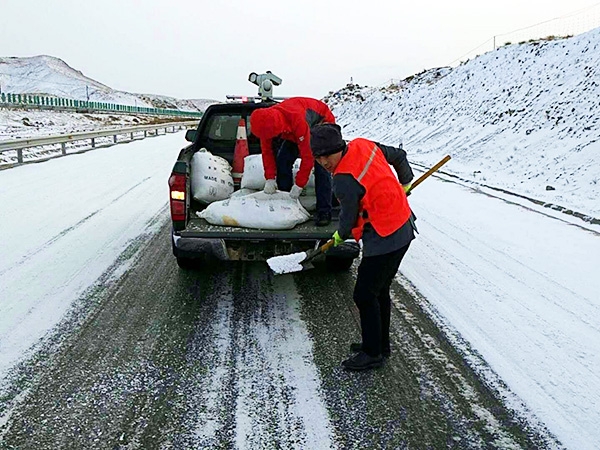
384	204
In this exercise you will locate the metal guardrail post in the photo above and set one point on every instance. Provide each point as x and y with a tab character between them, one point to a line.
115	138
63	148
93	142
20	156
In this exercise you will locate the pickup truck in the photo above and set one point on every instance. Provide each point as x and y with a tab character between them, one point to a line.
194	239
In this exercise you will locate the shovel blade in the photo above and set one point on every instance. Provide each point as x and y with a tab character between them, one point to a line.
307	265
288	263
296	262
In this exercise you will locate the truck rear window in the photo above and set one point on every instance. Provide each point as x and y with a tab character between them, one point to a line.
223	127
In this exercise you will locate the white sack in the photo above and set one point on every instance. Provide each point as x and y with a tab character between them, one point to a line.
311	179
211	177
242	192
262	211
309	202
307	199
254	173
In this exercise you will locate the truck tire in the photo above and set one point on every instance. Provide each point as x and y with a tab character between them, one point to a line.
187	263
338	264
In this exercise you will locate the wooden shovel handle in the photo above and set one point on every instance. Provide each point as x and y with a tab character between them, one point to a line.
322	249
327	245
429	172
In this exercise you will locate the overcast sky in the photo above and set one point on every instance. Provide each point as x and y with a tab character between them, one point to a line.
206	49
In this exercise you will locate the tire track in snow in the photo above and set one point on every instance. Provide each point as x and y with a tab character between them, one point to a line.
255	384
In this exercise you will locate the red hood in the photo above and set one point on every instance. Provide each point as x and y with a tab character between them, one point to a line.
267	123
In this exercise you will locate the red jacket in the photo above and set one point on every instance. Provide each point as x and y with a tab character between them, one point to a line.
384	204
290	120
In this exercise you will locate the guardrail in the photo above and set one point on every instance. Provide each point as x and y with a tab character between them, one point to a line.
69	104
63	139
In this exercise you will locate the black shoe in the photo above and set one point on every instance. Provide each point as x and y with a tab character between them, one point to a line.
323	219
362	361
356	347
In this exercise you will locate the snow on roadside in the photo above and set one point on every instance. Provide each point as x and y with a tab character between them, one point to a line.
101	209
521	288
21	123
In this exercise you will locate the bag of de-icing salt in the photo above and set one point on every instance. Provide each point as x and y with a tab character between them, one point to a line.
259	210
311	178
254	173
242	192
211	177
309	202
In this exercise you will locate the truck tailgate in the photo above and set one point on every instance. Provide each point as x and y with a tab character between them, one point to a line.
200	228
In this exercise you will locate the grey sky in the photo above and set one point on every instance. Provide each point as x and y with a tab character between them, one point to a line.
206	49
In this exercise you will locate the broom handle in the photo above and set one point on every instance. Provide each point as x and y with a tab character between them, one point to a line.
429	172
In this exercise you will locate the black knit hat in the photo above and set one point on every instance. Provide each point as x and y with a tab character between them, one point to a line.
326	139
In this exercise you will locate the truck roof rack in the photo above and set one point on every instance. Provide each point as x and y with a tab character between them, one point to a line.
251	99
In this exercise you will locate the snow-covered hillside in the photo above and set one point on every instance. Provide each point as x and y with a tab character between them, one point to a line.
52	76
525	117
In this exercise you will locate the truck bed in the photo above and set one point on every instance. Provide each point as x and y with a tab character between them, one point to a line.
200	228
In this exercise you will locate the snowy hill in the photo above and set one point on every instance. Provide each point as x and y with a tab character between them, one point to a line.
52	76
524	117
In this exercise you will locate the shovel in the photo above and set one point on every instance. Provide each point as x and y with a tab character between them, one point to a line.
297	262
443	161
306	263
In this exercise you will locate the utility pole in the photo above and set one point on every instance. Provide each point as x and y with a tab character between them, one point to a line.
87	93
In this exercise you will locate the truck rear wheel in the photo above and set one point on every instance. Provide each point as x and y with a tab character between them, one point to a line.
187	263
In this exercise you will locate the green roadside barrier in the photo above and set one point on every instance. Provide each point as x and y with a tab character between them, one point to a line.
63	102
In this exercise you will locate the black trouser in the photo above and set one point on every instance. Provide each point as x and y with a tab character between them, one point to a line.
287	154
372	297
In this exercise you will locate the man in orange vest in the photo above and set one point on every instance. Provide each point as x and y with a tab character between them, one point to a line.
374	208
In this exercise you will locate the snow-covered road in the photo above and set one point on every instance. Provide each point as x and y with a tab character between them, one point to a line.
64	222
518	283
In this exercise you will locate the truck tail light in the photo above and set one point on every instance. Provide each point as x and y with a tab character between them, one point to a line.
177	183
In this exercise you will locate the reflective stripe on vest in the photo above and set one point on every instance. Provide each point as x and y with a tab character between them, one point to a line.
369	162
